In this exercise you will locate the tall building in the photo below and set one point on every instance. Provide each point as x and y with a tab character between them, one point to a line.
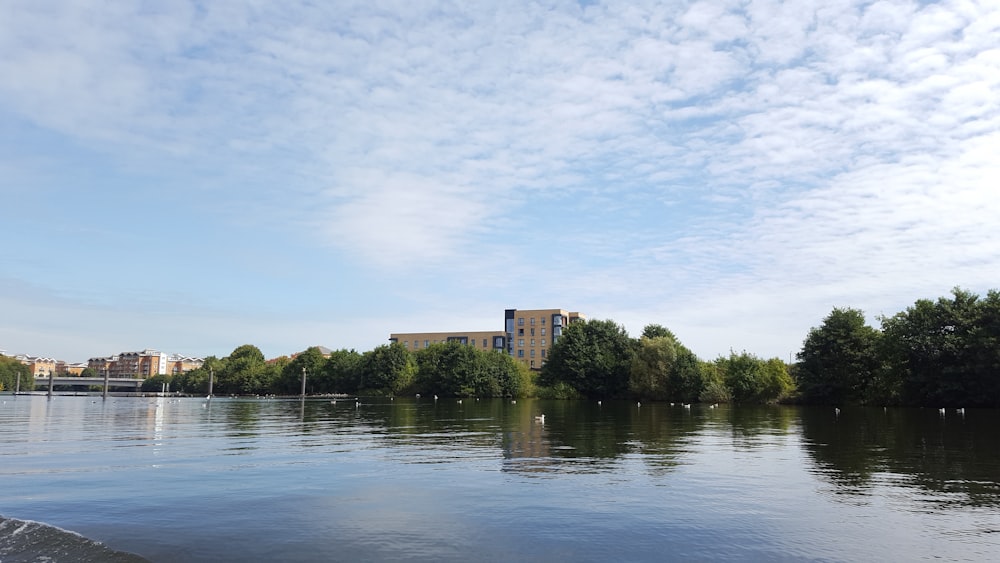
527	335
531	332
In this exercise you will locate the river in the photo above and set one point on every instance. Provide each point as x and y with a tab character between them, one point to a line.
170	479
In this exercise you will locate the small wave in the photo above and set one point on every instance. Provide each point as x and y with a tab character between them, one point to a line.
27	541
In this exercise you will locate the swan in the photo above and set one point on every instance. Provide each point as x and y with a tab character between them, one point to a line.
540	418
836	411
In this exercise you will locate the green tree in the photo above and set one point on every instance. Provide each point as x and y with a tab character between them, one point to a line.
944	353
244	372
342	372
750	379
88	372
654	359
839	362
388	368
290	381
657	331
10	371
157	383
686	377
593	357
452	369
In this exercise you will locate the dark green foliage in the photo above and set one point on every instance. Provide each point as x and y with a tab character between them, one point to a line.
945	353
157	383
593	357
342	372
750	379
451	369
838	363
657	331
290	380
10	370
388	369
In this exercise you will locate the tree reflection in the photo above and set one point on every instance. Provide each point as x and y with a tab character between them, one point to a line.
953	455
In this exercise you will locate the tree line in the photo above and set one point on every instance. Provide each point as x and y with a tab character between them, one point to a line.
447	369
943	353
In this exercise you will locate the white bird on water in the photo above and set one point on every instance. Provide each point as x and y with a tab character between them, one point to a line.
540	418
836	411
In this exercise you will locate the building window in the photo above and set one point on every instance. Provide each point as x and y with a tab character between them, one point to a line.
426	343
532	363
532	353
520	321
520	342
532	332
520	353
520	332
532	341
532	321
543	331
543	342
543	352
484	343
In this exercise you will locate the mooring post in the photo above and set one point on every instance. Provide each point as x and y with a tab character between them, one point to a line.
104	394
211	380
17	390
303	394
51	384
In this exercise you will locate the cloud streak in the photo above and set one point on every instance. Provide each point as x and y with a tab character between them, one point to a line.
695	164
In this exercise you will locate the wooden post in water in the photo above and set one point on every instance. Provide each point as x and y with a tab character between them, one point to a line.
51	384
17	389
211	380
303	394
104	394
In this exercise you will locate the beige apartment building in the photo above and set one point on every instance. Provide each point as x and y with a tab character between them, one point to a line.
531	332
40	367
482	340
131	364
527	336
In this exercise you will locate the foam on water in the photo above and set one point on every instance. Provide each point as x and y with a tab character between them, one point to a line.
23	541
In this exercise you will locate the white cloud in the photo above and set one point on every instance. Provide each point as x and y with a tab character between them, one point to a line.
813	153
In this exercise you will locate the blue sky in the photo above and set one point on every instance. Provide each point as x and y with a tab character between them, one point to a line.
192	176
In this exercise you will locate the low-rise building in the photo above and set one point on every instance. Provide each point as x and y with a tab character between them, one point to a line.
527	336
40	367
482	340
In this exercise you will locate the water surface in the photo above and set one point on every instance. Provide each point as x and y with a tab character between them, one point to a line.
417	479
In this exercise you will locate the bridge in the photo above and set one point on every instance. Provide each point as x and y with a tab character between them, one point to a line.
116	382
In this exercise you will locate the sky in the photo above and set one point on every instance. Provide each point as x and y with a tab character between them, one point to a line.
194	176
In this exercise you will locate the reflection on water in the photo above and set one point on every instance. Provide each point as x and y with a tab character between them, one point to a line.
437	480
951	453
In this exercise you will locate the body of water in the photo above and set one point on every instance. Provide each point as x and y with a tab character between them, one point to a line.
417	479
